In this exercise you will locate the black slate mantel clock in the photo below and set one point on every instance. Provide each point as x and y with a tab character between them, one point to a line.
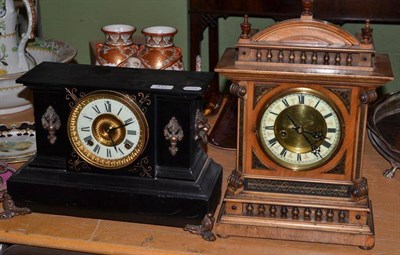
118	143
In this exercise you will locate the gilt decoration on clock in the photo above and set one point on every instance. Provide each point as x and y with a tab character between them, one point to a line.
108	130
130	145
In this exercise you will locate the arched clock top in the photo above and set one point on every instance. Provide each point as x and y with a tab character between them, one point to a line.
306	32
306	43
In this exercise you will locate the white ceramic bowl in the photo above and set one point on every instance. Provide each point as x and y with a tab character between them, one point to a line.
15	97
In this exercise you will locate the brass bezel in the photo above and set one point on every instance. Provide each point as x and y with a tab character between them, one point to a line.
88	155
291	166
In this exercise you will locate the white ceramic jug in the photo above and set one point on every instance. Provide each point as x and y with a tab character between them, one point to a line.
12	50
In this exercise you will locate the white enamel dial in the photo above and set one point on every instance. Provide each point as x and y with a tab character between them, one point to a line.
107	129
300	130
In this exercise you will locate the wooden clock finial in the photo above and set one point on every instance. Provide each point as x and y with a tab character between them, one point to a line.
307	7
366	33
246	27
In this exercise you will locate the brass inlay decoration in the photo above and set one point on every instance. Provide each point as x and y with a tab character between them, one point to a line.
76	163
173	132
143	100
201	127
257	164
143	167
339	168
294	187
71	95
51	123
344	95
261	90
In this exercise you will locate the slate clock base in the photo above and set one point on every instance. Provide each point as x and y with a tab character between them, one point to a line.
152	201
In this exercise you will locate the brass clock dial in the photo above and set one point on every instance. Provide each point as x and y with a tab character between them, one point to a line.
300	130
107	129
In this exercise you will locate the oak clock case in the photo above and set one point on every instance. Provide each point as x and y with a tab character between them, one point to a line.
119	143
303	87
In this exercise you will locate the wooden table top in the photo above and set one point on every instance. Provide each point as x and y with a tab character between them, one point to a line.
113	237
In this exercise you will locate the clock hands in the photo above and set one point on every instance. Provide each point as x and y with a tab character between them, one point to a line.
111	138
296	127
123	125
317	135
111	130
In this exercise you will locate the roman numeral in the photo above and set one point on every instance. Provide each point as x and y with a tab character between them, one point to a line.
285	102
131	132
301	99
96	109
328	115
119	111
119	149
85	129
298	157
269	127
107	105
326	144
128	121
317	104
87	117
283	152
96	149
332	130
272	141
87	139
273	113
108	153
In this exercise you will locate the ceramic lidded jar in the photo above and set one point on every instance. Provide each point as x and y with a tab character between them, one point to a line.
159	52
118	45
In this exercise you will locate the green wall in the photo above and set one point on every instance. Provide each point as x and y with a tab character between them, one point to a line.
77	22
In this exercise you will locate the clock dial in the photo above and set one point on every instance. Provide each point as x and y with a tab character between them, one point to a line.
300	130
107	129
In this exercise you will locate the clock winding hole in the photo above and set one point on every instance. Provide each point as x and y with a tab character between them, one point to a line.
300	128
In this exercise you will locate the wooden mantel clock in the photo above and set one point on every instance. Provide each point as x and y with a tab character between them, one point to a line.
119	143
303	88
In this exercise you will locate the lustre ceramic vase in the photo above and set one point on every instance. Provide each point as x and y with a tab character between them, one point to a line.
12	48
118	46
159	52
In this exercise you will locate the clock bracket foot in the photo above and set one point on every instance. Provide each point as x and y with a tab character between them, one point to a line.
235	183
204	229
9	208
